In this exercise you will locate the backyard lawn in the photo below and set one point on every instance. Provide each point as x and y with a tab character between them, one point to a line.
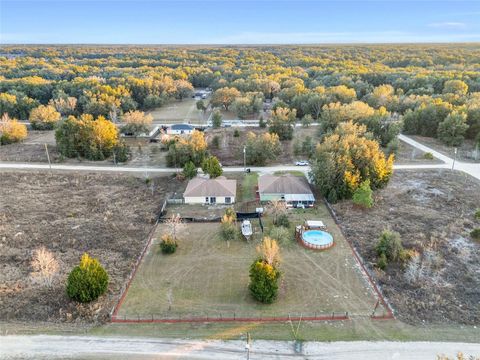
209	277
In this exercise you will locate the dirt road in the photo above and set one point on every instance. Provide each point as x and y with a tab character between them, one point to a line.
79	347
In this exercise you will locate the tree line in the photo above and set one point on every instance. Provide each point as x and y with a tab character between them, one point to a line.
430	90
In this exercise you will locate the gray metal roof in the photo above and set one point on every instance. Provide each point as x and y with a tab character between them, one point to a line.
181	127
285	184
211	187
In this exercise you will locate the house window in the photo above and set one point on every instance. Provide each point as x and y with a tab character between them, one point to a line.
213	200
228	200
206	199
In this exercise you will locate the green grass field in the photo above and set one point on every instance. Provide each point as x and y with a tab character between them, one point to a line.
209	277
177	111
291	172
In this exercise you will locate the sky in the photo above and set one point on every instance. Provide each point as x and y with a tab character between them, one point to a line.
237	22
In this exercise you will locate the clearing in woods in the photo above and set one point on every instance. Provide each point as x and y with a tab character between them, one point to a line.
209	277
179	111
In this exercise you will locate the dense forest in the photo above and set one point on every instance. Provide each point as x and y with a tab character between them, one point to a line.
429	90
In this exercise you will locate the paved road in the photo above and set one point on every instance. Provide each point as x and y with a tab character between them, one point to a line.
138	169
89	347
469	168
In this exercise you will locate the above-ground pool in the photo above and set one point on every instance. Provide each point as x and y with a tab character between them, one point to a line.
317	239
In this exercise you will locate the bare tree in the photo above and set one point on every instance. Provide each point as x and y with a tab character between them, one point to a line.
44	265
170	299
174	223
276	208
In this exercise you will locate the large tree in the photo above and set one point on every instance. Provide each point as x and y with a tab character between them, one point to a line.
183	89
94	139
345	159
452	130
11	130
44	117
425	119
182	150
224	97
282	122
136	122
212	167
262	148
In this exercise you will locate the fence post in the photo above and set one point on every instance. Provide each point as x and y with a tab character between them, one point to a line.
333	314
234	315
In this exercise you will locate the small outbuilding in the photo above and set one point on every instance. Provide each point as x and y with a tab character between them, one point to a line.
180	129
210	191
294	190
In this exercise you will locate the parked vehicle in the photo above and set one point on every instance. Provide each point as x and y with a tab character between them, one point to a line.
302	163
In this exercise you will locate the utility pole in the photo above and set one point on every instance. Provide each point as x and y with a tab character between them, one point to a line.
247	345
244	158
48	156
454	158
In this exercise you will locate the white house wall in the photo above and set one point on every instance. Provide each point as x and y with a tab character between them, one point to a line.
201	200
179	132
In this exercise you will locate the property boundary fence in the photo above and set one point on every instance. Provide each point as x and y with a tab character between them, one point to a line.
381	299
124	290
232	317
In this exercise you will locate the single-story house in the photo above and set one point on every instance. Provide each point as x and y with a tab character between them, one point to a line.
210	191
180	129
294	190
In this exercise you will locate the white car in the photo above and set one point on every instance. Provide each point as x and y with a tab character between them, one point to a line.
302	163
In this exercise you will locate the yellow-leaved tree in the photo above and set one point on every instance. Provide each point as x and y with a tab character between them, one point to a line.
136	122
264	274
11	130
44	117
345	159
94	139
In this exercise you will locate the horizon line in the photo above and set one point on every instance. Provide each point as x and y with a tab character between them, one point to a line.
246	44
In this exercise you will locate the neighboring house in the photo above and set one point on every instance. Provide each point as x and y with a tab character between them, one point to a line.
294	190
179	129
210	191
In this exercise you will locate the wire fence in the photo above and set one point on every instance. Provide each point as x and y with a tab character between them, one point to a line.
231	317
381	310
388	309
